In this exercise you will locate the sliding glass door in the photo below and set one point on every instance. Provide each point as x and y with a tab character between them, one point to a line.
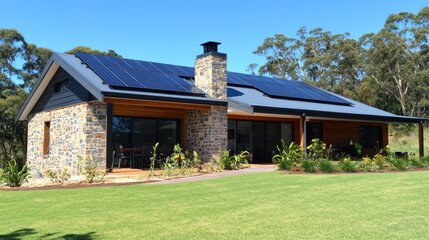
258	137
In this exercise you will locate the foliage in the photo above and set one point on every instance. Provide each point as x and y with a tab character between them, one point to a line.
400	164
379	161
425	161
84	49
418	163
89	168
234	162
317	149
153	158
326	166
287	156
58	176
367	165
347	165
309	166
12	174
239	161
358	149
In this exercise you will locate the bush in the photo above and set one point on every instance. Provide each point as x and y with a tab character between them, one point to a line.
415	162
347	165
309	166
379	161
287	156
326	166
12	175
367	165
425	161
232	162
89	167
61	176
400	163
317	149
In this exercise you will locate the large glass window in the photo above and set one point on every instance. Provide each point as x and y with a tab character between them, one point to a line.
231	135
286	131
136	132
244	133
370	136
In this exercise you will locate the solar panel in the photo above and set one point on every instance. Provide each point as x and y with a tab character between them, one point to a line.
158	77
287	89
123	73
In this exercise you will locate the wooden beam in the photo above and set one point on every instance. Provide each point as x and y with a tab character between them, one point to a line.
138	102
421	138
109	136
303	132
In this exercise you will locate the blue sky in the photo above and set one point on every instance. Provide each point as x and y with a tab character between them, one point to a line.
171	31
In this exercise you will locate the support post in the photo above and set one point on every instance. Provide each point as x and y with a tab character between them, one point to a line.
421	138
109	135
303	132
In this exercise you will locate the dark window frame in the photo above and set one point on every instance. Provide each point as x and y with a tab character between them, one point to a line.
130	135
368	132
61	86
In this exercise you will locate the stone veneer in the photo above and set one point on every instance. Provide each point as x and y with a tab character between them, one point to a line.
207	130
76	130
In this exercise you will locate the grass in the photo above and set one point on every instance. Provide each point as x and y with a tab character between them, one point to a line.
269	205
409	143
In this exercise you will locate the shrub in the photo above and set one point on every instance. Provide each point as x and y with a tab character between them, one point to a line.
367	165
418	163
233	162
379	161
61	176
287	156
425	161
326	166
89	168
1	176
347	165
12	175
309	166
400	163
316	150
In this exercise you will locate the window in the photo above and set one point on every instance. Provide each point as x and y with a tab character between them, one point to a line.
46	138
61	86
314	130
370	136
286	132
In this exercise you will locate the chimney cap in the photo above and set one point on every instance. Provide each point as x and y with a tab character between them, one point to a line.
210	46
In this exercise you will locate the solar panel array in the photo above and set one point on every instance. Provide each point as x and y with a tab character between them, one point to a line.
131	74
287	89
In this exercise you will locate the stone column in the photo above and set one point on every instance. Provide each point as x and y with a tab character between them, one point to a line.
207	130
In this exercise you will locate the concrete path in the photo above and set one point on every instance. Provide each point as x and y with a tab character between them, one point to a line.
252	169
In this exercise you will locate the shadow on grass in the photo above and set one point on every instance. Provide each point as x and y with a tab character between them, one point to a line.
27	232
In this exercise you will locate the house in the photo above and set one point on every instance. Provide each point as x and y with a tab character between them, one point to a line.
87	104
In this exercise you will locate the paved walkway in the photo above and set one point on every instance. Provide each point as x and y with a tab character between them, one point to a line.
252	169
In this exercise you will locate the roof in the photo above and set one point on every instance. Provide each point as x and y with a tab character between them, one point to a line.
105	76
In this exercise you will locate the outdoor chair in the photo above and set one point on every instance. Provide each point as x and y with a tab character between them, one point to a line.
118	155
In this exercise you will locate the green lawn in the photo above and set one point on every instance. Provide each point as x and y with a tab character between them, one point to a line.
270	205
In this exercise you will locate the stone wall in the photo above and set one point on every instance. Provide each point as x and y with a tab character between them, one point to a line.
210	75
206	131
77	130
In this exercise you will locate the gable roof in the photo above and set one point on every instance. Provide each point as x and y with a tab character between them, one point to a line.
105	76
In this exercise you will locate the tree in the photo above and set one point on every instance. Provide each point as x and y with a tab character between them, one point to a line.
93	51
397	59
35	60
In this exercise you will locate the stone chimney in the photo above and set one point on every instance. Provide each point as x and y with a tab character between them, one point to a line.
210	71
206	130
